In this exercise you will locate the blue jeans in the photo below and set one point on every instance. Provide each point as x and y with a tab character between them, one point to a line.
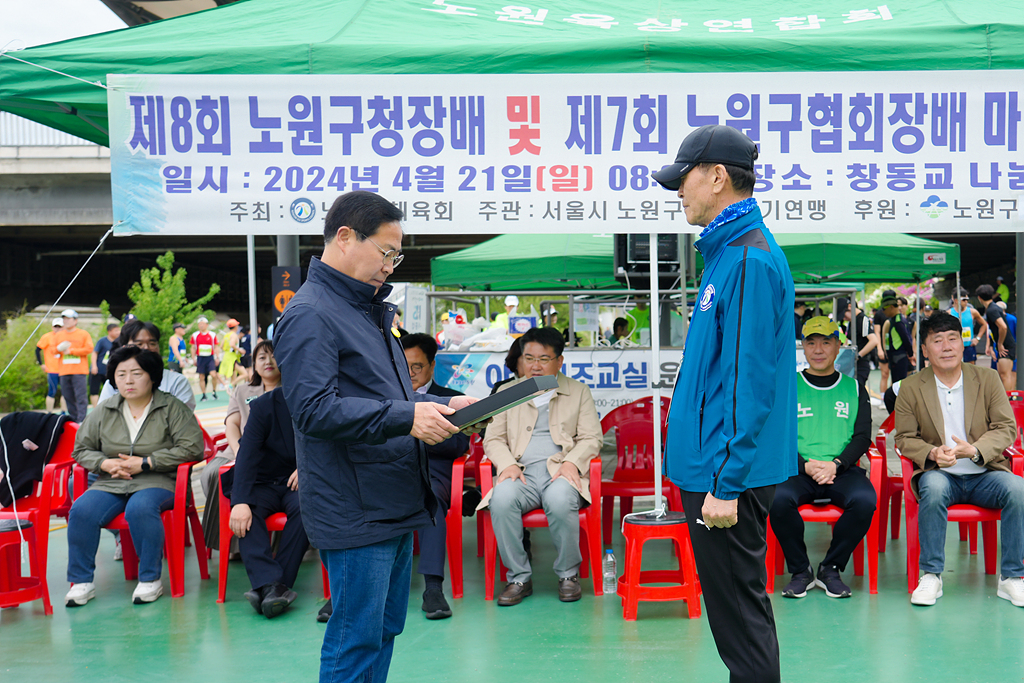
938	490
95	509
370	593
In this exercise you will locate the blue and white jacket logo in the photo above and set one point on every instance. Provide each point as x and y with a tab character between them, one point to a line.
707	298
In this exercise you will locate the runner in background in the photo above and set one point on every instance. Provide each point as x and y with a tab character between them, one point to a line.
49	358
204	345
177	349
100	356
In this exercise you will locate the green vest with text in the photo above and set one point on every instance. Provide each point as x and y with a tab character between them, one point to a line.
825	417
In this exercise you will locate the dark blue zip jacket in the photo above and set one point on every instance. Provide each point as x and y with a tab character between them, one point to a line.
732	423
362	478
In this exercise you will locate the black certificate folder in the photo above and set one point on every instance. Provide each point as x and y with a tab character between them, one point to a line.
520	392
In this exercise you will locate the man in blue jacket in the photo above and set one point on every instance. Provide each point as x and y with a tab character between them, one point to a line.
360	431
732	425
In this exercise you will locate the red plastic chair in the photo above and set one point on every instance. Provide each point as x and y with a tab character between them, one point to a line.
275	522
956	513
634	473
50	497
775	560
176	527
590	530
890	498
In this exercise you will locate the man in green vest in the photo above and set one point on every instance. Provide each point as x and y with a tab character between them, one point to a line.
833	432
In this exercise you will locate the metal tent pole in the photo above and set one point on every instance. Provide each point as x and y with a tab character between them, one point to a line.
655	372
250	249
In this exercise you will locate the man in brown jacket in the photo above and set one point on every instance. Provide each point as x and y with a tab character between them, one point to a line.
542	450
954	421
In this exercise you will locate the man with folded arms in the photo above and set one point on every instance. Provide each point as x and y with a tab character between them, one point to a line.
833	431
954	421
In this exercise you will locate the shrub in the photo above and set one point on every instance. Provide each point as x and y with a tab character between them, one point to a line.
23	386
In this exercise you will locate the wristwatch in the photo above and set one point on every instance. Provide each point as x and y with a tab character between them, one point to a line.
145	464
976	458
838	463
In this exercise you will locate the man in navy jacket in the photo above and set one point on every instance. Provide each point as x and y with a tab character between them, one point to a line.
360	433
732	425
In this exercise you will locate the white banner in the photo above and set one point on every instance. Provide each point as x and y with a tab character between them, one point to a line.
934	151
615	377
416	317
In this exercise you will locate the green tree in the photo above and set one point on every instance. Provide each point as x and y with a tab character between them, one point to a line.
23	387
159	297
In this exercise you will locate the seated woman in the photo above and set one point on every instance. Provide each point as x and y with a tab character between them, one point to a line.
147	336
134	442
265	481
265	377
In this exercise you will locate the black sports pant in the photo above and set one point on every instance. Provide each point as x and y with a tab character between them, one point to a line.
899	367
262	566
730	563
851	491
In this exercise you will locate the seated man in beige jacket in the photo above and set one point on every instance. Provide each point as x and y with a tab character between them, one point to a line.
954	421
542	450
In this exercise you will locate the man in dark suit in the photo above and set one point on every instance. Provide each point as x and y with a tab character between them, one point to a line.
420	351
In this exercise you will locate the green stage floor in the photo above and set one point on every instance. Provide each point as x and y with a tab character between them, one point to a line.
970	635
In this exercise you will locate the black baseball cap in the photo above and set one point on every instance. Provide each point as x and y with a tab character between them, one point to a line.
708	144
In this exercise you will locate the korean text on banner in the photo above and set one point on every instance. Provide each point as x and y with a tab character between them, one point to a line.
932	151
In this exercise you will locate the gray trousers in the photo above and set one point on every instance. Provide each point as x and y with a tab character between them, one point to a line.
76	393
561	504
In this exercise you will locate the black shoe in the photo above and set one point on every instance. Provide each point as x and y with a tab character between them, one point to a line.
828	578
215	396
203	398
471	497
276	600
255	598
569	589
798	587
324	615
435	605
515	592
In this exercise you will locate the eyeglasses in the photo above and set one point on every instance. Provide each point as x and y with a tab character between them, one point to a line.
543	360
151	344
391	256
417	367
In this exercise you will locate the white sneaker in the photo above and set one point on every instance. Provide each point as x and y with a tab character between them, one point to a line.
80	594
929	589
1012	589
147	591
117	551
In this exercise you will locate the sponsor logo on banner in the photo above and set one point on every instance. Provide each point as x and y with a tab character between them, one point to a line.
303	210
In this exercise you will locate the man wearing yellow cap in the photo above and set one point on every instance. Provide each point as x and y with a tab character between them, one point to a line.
833	432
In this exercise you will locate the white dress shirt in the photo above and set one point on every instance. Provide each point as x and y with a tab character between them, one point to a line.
951	402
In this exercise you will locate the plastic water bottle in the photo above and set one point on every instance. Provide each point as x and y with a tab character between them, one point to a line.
608	571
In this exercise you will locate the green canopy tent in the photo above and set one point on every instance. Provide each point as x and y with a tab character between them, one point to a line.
522	262
434	37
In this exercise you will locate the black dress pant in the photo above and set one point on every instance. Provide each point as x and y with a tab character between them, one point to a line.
262	566
434	537
851	491
730	563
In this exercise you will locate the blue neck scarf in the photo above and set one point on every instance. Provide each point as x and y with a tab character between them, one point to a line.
731	213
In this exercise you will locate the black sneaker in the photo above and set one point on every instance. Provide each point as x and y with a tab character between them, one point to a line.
215	396
828	578
435	605
798	587
324	615
203	398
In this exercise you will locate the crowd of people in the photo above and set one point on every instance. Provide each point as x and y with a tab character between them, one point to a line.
340	424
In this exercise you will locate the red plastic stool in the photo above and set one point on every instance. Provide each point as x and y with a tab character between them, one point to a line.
638	530
16	588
